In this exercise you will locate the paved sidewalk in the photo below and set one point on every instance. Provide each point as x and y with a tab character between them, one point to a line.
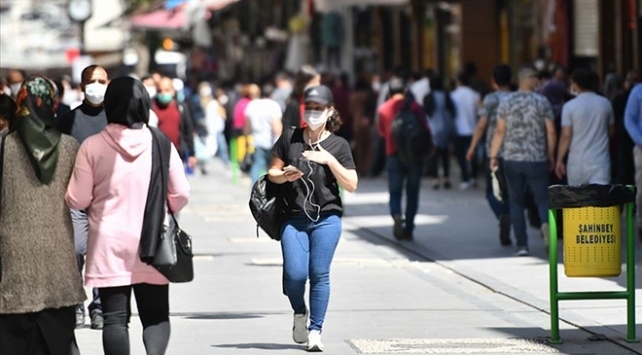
385	299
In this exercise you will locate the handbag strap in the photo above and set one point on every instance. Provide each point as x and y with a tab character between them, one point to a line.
164	151
1	166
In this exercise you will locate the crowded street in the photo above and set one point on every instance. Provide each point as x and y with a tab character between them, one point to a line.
453	290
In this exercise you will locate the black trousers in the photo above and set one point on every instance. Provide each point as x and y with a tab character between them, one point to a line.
48	332
153	308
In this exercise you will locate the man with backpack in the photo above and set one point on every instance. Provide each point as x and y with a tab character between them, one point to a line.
403	125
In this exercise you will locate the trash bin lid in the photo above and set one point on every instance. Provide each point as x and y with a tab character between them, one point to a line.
564	196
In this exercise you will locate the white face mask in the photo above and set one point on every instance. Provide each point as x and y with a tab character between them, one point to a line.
223	100
205	91
15	88
95	93
315	119
151	90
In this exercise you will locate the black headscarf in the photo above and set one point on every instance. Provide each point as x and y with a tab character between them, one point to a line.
37	101
127	102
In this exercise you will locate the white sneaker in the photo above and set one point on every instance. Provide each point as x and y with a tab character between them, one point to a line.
464	186
300	328
314	341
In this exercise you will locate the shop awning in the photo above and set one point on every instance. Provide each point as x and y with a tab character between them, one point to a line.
159	19
334	4
173	16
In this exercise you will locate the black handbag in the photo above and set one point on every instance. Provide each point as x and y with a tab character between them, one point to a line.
173	250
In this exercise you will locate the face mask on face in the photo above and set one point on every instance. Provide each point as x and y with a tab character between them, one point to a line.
315	119
15	88
151	90
205	91
164	99
223	100
95	93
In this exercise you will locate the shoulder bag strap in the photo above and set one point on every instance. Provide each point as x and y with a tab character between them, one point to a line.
1	165
164	146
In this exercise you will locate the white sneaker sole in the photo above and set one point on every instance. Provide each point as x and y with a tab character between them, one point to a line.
315	349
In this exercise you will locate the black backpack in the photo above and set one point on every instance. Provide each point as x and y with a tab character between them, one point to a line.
267	204
267	207
412	140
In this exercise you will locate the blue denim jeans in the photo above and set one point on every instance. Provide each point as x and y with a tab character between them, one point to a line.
400	174
308	248
499	207
260	164
519	175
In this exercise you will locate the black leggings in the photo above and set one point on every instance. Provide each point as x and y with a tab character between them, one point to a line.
443	156
153	308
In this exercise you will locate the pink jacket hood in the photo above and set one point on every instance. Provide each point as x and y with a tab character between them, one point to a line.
129	142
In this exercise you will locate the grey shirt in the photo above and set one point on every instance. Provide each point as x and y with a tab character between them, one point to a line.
489	110
525	114
589	115
83	121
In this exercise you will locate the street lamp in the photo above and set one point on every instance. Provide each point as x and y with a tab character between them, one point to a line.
80	11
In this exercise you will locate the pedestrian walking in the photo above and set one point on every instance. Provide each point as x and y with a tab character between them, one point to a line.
440	111
486	125
283	89
39	281
624	164
362	109
110	181
400	172
263	123
174	120
466	102
82	122
587	122
633	122
526	132
311	164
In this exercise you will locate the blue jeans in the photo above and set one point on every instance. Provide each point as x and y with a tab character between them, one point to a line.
519	175
222	152
308	248
499	207
409	174
260	164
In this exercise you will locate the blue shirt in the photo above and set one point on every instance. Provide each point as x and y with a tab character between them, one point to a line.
633	115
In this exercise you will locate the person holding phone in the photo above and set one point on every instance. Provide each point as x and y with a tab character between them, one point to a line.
312	164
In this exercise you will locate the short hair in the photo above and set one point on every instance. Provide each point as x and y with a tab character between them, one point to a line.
87	71
502	75
582	78
463	77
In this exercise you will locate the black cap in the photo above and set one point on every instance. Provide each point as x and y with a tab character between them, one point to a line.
319	94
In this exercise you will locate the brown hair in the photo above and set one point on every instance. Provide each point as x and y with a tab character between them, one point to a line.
334	121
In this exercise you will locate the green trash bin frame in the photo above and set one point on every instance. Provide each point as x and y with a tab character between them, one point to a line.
628	295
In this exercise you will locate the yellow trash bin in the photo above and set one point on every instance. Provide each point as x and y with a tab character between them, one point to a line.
592	237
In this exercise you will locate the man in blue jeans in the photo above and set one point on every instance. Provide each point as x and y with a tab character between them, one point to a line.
526	129
400	173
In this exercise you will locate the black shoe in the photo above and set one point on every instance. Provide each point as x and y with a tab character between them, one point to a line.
447	185
80	315
397	230
408	237
97	321
504	230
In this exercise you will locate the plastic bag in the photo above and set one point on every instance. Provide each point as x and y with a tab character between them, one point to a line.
593	195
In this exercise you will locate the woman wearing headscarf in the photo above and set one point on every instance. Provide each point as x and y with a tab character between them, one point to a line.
39	281
111	180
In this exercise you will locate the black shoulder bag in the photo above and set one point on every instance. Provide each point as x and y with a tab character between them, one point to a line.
171	248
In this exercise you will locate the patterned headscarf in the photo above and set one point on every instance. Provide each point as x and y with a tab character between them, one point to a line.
37	101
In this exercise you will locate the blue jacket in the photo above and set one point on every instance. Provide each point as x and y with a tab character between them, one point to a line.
633	115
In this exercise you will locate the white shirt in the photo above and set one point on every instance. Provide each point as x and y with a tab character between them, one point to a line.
466	102
261	113
420	89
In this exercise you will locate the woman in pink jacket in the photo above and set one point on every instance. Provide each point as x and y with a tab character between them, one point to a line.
111	180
